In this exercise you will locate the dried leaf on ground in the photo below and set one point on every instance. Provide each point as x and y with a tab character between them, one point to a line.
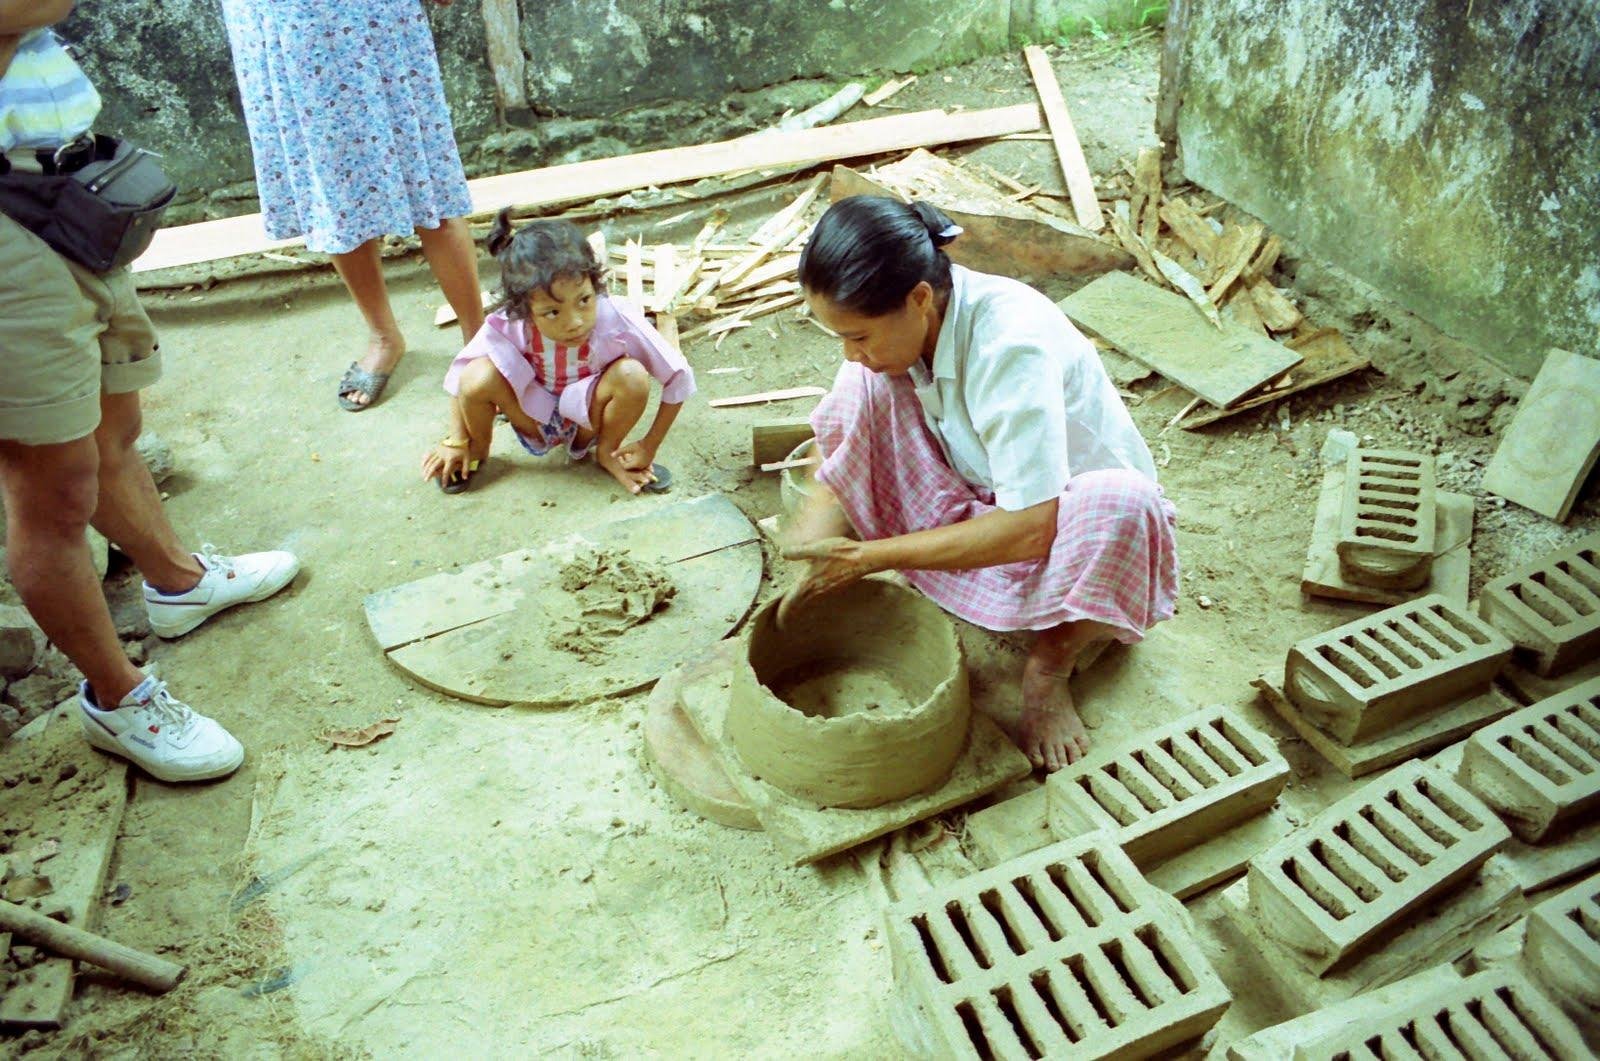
360	738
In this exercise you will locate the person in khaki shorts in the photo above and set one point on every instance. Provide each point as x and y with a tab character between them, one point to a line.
75	350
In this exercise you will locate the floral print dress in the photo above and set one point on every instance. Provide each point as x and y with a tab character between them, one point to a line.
347	119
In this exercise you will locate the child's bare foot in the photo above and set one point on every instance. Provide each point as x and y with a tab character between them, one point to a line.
1050	731
384	352
632	480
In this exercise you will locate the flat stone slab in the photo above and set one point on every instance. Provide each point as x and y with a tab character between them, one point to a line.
1552	442
483	633
804	832
1433	731
1164	330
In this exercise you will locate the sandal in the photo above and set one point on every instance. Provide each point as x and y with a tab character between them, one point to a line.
663	481
460	484
358	380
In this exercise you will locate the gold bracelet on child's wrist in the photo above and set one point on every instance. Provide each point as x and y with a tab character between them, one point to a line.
454	443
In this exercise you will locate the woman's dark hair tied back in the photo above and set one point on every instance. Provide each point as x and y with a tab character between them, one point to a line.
869	251
537	255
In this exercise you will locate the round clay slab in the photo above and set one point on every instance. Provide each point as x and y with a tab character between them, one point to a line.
682	763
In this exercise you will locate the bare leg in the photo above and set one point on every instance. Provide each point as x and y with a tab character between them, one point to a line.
483	393
453	257
617	404
1050	730
362	273
51	492
129	511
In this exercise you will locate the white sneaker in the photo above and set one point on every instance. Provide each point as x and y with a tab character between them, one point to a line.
228	580
156	731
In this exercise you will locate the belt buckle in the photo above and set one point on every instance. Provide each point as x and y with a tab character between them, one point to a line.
81	142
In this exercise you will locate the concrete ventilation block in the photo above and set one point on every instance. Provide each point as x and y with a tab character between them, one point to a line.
1387	525
1551	608
1370	860
1375	673
1540	767
859	700
1171	788
1562	946
1492	1015
1063	952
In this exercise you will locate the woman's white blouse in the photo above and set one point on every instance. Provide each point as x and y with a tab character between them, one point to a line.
1018	399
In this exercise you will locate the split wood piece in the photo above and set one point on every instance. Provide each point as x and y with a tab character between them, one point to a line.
1448	576
998	235
1021	824
1445	725
1235	250
1123	230
1161	329
1367	861
782	268
1195	231
483	633
1080	185
1327	358
742	319
1551	445
634	273
1261	265
774	439
597	244
785	465
1562	947
1275	309
1374	674
1241	309
682	763
768	396
886	90
1496	1013
1171	788
38	996
1387	526
1065	952
667	325
1551	608
665	286
740	270
785	220
446	314
1540	767
135	966
803	832
580	181
1145	203
1187	283
695	262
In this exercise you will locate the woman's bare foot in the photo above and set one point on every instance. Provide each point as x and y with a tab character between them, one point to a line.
1050	731
384	352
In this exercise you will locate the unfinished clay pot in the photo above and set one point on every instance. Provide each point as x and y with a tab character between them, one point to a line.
859	700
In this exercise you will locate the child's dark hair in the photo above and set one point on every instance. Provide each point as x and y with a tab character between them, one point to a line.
869	251
537	255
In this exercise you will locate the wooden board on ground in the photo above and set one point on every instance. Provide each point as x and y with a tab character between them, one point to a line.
1551	445
83	814
1163	330
1452	559
1444	931
1021	824
579	181
804	832
1327	357
774	439
999	234
484	633
1080	185
1434	731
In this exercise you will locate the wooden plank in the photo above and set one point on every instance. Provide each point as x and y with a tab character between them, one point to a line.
665	260
1551	445
579	181
768	396
635	273
778	269
1145	206
1080	185
887	89
1327	357
1165	332
774	439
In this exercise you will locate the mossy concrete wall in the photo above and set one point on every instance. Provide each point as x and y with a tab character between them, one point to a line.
1447	153
599	77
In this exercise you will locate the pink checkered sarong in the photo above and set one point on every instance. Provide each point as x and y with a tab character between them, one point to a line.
1114	560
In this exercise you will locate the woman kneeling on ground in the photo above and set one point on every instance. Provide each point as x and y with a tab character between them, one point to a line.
973	441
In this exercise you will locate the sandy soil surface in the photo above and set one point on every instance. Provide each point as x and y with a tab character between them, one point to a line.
494	882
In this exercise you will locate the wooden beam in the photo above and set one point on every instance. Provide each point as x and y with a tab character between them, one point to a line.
774	439
1080	185
581	181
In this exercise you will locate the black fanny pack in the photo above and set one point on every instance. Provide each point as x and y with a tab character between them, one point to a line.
99	200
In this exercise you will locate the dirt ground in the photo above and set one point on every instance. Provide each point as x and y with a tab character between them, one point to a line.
490	881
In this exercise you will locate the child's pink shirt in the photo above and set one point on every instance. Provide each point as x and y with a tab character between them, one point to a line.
620	330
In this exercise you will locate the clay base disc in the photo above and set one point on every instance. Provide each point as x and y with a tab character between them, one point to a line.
682	763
